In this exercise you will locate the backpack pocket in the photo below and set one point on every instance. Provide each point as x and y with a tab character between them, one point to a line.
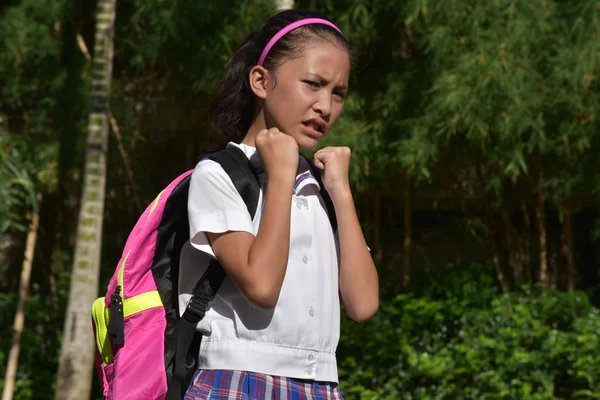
135	370
104	353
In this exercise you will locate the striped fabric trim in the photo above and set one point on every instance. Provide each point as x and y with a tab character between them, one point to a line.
238	385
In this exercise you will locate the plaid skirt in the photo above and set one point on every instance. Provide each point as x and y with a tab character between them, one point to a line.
239	385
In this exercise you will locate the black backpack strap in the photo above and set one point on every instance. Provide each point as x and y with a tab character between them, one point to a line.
324	194
242	174
245	179
186	338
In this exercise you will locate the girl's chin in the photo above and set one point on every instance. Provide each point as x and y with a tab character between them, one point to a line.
307	142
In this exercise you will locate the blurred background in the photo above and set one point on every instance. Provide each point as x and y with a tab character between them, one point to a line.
476	173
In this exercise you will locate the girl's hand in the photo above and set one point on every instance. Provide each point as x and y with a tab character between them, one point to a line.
278	153
335	163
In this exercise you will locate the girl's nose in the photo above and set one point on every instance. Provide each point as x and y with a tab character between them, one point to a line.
323	106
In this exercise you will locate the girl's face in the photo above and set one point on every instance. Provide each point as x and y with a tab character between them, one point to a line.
307	94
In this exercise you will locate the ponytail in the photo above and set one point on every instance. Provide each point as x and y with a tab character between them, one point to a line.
232	109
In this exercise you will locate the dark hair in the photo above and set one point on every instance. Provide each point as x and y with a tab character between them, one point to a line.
233	107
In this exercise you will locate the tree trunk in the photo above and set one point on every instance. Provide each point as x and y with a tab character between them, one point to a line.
553	261
540	215
513	250
74	380
19	321
567	248
284	4
525	256
407	234
498	266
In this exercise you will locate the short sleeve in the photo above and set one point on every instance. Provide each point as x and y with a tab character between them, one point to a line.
214	205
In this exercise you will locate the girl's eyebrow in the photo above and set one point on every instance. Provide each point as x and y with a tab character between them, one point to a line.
324	81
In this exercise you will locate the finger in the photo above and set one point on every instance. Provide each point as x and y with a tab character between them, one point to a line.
319	164
325	155
322	153
325	150
320	159
260	137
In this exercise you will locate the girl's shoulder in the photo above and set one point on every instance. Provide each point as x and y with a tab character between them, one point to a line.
208	168
209	173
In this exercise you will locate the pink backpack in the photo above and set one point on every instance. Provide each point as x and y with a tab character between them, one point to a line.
145	349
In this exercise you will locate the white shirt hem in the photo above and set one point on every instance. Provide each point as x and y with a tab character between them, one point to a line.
268	358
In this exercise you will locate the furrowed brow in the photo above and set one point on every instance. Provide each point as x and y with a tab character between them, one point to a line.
324	81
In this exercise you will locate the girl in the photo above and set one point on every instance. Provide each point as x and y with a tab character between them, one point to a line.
273	328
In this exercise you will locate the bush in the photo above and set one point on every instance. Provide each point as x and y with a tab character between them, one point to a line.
40	342
533	344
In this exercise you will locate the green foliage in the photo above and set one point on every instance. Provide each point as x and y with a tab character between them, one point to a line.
40	342
30	44
30	79
516	83
187	41
465	98
475	344
17	193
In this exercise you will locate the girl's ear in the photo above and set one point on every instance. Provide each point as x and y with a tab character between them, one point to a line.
259	81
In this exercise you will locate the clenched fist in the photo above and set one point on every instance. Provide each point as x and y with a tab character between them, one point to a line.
278	153
334	162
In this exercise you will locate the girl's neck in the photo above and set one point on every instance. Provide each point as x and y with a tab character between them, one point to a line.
258	124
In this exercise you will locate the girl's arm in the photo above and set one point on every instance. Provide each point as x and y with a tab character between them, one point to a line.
257	265
359	284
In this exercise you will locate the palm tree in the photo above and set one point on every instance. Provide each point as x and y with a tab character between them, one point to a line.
77	352
284	4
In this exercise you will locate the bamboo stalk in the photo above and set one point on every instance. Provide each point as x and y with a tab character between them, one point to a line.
567	247
407	245
498	267
19	321
540	215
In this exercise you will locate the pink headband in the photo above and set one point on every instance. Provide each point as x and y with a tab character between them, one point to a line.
291	27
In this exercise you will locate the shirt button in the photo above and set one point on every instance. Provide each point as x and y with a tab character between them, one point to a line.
311	357
311	312
305	260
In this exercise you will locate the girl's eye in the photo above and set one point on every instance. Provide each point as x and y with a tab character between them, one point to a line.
312	84
341	95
